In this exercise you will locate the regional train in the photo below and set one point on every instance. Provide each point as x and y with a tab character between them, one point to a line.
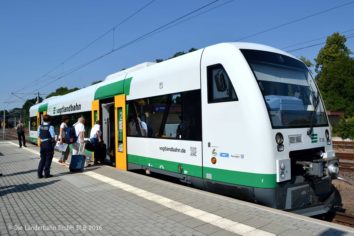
241	119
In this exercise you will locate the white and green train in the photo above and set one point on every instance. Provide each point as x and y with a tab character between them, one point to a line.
242	119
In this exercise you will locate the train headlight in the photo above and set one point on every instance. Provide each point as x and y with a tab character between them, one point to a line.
327	137
279	139
333	169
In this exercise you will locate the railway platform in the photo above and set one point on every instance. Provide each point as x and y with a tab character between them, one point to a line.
106	201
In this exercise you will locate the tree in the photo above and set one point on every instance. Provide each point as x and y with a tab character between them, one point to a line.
333	50
61	91
192	49
335	79
336	83
345	128
177	54
335	76
306	61
96	82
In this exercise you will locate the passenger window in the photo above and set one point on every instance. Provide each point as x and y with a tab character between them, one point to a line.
172	116
220	88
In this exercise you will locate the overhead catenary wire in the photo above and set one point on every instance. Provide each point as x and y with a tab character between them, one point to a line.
72	70
175	22
196	15
316	44
313	40
142	37
294	21
111	30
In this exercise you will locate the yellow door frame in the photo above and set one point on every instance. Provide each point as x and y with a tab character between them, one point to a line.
120	132
39	120
95	115
38	124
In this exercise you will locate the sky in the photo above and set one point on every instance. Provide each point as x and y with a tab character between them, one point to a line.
38	38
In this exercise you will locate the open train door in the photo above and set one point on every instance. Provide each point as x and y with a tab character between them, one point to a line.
40	115
120	132
95	114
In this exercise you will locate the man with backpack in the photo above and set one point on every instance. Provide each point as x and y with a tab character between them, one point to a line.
64	139
47	139
79	145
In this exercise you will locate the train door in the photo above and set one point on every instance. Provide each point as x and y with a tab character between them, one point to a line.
218	107
108	129
120	132
95	115
39	122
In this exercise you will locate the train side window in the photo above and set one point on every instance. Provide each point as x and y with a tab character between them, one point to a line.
220	88
33	123
171	116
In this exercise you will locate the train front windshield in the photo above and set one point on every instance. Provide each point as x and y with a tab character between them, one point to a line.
290	94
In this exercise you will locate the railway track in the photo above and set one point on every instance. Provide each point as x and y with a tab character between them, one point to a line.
337	145
345	153
346	161
344	219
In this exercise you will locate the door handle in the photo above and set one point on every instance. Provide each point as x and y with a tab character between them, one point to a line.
209	144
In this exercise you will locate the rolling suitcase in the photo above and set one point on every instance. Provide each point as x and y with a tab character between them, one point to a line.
77	163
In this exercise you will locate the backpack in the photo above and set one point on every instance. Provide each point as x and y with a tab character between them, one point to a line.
70	135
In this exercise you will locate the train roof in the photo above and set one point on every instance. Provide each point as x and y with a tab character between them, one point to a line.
117	83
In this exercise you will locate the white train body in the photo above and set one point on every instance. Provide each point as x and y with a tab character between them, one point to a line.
244	119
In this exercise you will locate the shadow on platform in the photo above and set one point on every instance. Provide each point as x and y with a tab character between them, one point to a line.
23	187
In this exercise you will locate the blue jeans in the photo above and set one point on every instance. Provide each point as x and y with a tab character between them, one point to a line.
46	152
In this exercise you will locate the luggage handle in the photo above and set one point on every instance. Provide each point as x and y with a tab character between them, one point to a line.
81	149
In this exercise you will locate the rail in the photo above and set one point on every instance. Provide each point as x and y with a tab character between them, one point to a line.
344	219
345	153
343	145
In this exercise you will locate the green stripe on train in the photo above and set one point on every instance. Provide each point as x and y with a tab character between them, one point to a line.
33	139
218	175
43	107
112	89
314	138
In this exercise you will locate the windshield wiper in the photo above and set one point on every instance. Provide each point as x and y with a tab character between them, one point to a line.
316	101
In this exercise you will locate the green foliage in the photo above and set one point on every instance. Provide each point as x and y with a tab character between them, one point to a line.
345	128
333	50
335	76
96	82
62	91
177	54
335	79
306	61
336	83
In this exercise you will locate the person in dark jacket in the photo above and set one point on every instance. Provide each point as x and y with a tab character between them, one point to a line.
20	128
47	139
